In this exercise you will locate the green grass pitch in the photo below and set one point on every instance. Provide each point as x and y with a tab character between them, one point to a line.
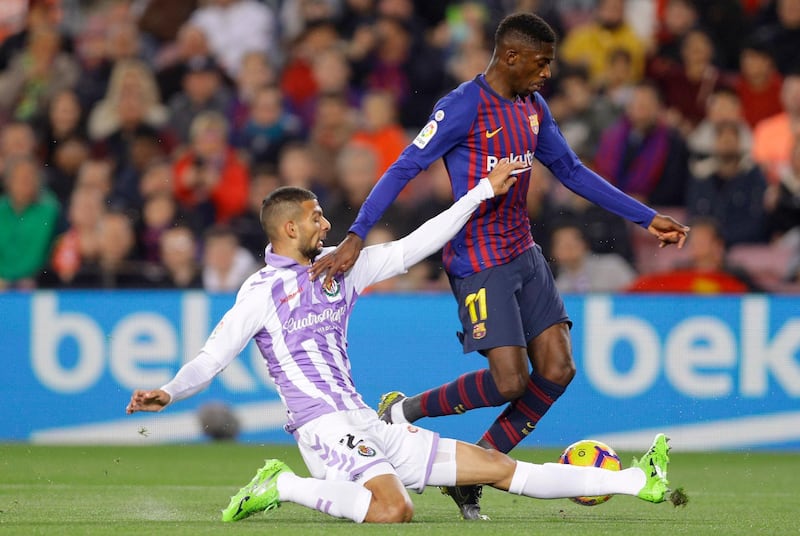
181	489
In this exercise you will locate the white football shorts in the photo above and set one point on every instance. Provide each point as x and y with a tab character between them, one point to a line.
357	446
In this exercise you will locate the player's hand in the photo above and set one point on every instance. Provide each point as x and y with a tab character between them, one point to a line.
340	260
141	400
501	178
668	231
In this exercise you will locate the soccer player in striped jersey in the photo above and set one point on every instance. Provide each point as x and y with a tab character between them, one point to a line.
508	304
360	465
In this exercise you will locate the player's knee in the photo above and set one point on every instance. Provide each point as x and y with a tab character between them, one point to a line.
399	511
559	372
512	387
504	463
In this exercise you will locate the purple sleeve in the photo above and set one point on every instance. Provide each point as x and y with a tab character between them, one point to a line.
553	151
447	126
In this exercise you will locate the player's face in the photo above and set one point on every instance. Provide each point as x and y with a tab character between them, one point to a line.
532	68
313	227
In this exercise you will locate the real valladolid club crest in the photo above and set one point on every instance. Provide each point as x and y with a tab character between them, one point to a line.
534	121
364	450
331	289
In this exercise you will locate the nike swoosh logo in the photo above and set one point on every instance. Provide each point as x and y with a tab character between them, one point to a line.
241	504
493	133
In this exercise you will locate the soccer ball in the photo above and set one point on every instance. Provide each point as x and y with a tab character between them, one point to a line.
591	453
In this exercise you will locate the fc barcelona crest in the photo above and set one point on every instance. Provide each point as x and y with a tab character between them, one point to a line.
479	331
534	121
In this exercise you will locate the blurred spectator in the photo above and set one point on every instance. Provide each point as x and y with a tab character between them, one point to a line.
334	125
466	64
178	252
642	155
331	74
782	35
132	102
729	188
17	140
680	16
61	175
591	44
723	106
203	91
65	119
619	80
380	130
257	72
96	174
296	16
783	200
226	264
269	126
247	226
297	167
12	17
37	14
584	114
116	265
774	137
297	77
160	212
357	168
34	75
29	220
162	21
210	178
580	270
355	17
392	65
687	85
80	243
235	27
708	271
172	62
758	83
109	36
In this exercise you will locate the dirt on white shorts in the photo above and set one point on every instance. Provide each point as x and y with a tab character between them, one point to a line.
357	446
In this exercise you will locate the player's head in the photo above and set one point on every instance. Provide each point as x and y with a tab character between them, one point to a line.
524	49
293	222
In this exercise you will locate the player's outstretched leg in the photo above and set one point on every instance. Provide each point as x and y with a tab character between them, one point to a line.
259	495
654	464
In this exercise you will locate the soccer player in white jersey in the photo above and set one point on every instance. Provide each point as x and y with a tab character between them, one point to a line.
361	467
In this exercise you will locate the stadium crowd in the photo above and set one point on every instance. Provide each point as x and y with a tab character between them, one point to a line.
138	137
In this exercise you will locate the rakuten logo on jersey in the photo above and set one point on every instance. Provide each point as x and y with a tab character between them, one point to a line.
313	319
527	159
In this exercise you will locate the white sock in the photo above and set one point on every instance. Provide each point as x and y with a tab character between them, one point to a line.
555	481
337	498
398	417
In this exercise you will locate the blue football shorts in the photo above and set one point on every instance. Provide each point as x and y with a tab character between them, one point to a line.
508	305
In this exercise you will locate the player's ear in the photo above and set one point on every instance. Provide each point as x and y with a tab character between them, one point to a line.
511	56
290	228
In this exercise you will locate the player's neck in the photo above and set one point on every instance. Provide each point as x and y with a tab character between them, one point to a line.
497	82
290	252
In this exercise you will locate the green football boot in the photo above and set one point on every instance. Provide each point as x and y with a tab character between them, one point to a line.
259	495
654	464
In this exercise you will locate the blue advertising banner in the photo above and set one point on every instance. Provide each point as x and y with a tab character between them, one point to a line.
712	372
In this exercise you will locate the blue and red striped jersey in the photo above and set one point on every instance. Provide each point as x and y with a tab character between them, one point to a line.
472	128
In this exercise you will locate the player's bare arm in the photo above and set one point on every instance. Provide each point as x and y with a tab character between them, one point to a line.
144	400
668	231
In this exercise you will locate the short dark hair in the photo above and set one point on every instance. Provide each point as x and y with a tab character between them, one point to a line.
279	202
525	26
